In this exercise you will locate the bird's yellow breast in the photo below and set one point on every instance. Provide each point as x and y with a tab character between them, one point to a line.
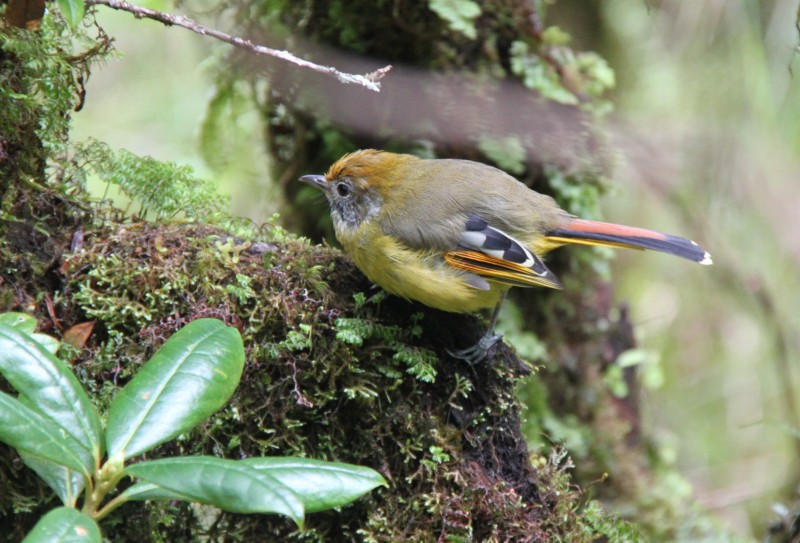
417	275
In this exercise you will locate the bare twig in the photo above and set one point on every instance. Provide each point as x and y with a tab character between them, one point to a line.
370	80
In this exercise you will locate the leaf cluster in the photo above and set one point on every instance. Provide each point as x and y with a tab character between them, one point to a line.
58	433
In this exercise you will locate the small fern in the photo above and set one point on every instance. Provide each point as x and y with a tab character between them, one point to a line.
162	189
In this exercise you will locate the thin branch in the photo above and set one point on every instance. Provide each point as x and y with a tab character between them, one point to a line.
370	80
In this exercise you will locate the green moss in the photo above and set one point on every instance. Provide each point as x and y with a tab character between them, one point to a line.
420	363
329	375
42	90
41	78
324	379
613	528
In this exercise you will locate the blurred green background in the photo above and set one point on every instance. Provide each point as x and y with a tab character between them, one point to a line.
706	130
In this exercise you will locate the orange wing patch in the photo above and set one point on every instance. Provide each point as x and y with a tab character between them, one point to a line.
599	243
499	270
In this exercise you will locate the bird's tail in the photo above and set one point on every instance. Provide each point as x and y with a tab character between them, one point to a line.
615	235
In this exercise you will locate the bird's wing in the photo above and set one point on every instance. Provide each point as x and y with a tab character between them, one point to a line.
496	256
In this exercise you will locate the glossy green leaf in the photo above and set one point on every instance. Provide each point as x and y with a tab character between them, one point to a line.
27	325
193	374
320	485
49	387
28	431
64	525
21	321
66	483
230	485
149	491
72	10
50	344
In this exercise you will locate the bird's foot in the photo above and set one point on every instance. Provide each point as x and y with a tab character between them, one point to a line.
477	352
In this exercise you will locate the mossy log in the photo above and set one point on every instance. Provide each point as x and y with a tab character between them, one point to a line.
334	371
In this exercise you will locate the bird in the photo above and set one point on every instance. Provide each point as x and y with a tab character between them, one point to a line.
456	234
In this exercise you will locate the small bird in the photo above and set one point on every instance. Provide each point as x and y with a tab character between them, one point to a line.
457	234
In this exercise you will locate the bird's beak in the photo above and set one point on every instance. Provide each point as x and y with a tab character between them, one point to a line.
317	181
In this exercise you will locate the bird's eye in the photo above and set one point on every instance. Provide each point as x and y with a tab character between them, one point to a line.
343	190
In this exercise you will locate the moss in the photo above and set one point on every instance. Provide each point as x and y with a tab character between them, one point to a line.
329	375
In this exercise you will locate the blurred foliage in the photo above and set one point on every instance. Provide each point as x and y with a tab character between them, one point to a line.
460	15
72	10
586	72
712	105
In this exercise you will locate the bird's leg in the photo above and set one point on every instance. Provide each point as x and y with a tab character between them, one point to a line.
478	352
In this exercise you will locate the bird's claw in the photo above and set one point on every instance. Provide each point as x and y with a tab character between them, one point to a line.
477	352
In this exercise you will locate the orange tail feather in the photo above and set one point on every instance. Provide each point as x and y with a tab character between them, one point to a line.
586	232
